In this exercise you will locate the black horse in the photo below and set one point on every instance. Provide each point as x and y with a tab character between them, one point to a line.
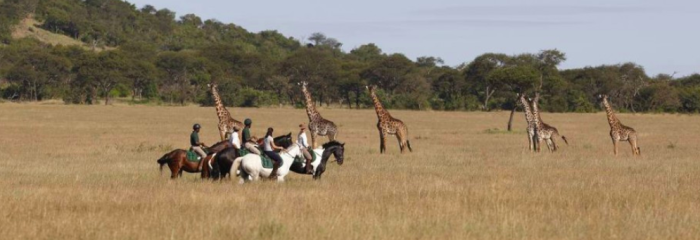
332	147
224	159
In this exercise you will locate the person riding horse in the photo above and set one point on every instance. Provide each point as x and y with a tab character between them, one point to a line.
303	146
269	148
248	141
196	145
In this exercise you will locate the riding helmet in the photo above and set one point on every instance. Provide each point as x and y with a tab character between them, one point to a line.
248	121
196	126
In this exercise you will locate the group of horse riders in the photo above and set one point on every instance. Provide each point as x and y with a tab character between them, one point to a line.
250	144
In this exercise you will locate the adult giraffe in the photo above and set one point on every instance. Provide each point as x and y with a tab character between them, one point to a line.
318	125
226	122
389	125
619	132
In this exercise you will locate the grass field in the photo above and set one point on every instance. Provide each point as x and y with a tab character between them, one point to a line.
89	172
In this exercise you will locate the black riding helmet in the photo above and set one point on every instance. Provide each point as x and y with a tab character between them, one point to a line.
247	122
196	126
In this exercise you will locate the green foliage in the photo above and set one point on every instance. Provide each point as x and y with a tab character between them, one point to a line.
152	55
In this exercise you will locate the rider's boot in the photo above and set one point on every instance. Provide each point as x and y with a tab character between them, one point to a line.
273	174
309	168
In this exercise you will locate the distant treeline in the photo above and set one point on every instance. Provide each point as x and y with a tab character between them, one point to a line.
150	56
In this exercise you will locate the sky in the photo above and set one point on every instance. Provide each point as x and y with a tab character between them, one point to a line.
663	36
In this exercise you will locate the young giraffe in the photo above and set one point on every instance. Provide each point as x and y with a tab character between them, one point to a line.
318	125
388	125
619	132
226	122
530	119
544	131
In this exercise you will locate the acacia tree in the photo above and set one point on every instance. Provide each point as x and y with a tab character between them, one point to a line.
37	70
477	73
514	79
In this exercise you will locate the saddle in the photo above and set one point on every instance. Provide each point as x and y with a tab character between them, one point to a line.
266	161
299	159
192	156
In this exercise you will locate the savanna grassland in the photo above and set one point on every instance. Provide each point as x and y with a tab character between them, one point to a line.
90	172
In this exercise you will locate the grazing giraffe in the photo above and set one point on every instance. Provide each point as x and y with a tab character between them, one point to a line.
530	119
545	131
318	125
226	122
389	125
619	132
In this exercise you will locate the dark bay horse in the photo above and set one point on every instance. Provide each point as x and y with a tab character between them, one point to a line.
224	159
177	160
332	147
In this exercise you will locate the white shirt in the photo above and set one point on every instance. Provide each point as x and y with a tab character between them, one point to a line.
267	141
235	141
301	140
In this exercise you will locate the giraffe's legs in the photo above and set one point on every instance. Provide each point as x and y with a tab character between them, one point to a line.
549	144
382	141
538	144
635	148
222	133
313	139
530	141
554	144
332	135
615	146
402	141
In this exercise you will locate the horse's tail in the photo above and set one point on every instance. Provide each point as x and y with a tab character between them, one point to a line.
163	160
236	164
564	138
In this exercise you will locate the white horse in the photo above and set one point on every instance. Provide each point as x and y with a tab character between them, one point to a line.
251	165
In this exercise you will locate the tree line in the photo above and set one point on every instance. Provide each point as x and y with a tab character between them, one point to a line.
149	55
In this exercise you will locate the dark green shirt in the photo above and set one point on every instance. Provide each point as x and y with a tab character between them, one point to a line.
246	135
194	138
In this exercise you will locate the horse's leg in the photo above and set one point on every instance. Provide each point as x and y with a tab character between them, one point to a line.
174	170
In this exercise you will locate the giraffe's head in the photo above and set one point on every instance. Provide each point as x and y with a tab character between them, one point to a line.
371	88
212	85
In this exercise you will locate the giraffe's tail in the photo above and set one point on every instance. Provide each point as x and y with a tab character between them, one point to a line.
564	138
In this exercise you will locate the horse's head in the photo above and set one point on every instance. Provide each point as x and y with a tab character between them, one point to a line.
337	149
284	141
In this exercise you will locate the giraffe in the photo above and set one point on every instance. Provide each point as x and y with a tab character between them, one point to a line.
544	131
389	125
318	125
530	119
619	132
226	122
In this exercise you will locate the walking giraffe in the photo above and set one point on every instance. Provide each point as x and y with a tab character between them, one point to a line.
389	125
226	122
544	131
619	132
530	119
318	125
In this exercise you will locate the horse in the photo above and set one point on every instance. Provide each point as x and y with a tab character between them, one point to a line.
224	159
333	147
177	160
251	165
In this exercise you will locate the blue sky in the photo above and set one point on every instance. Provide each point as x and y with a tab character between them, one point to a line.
662	36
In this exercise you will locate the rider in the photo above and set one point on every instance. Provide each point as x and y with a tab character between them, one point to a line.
269	147
196	144
235	141
248	141
303	146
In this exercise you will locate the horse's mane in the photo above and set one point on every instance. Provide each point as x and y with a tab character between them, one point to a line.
331	144
219	143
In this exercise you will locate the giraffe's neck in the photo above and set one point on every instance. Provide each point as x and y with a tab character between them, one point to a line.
310	106
381	112
221	111
536	113
526	109
612	119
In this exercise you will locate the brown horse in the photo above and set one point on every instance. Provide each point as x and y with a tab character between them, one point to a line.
177	161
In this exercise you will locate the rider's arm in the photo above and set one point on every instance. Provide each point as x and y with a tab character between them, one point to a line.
272	143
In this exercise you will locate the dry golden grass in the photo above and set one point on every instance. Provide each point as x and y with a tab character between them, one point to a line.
89	172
